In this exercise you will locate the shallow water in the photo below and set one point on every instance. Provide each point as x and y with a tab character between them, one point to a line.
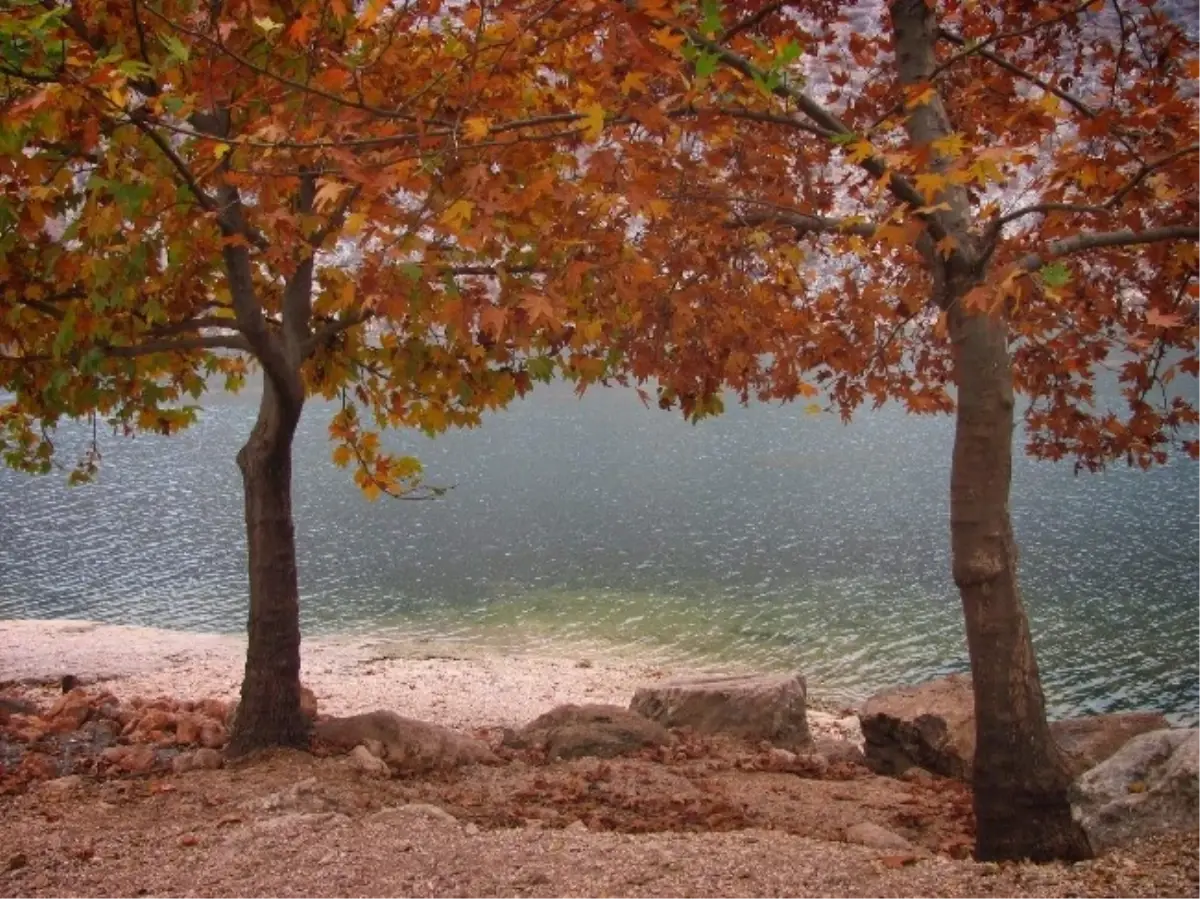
765	537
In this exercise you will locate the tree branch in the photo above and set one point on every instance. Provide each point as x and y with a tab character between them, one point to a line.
1080	243
149	348
1107	206
297	292
826	124
755	19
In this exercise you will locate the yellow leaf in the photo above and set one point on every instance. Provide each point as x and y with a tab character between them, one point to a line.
668	39
458	214
947	245
634	81
354	223
930	185
860	150
813	409
221	150
950	145
328	193
267	24
342	456
593	121
477	128
919	95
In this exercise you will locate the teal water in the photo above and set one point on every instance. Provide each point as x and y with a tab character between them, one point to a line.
764	538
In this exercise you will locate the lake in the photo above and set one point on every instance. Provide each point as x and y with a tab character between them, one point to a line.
766	538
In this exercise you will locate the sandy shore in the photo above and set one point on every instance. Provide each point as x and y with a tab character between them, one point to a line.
456	685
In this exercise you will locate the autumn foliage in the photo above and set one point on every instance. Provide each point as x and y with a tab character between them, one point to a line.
421	209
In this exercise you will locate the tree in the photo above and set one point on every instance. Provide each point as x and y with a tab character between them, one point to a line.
943	205
368	201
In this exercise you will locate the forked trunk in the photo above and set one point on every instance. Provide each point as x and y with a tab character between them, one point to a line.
1020	779
269	709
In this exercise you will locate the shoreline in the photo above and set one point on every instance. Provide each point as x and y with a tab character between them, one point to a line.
455	684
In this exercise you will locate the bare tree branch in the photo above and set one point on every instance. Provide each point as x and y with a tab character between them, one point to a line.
1080	243
755	19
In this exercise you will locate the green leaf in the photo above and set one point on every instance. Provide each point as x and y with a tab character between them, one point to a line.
848	137
1055	275
541	368
412	271
711	23
176	49
706	64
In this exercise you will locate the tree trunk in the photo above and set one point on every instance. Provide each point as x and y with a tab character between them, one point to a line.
1020	779
269	709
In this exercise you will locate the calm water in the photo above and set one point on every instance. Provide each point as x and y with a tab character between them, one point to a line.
765	537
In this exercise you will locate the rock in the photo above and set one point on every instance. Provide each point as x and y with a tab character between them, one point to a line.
601	731
471	829
213	708
403	815
62	787
1086	742
361	759
155	720
199	760
70	711
867	834
308	703
1149	786
409	745
932	726
213	735
11	705
301	821
755	707
136	759
304	796
187	729
839	752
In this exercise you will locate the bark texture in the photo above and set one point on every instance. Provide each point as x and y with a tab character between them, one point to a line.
269	709
1020	779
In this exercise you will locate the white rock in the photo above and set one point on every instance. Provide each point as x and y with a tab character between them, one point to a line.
1148	787
867	834
362	759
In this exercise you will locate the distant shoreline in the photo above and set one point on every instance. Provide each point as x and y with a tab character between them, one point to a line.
457	685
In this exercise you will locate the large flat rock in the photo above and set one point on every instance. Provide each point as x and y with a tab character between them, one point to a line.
602	731
753	707
406	744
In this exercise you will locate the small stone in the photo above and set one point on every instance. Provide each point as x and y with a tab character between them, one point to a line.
362	759
405	813
208	759
62	786
213	735
577	826
156	720
867	834
214	708
17	861
376	748
989	868
189	839
782	758
136	759
308	703
187	730
472	829
584	663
